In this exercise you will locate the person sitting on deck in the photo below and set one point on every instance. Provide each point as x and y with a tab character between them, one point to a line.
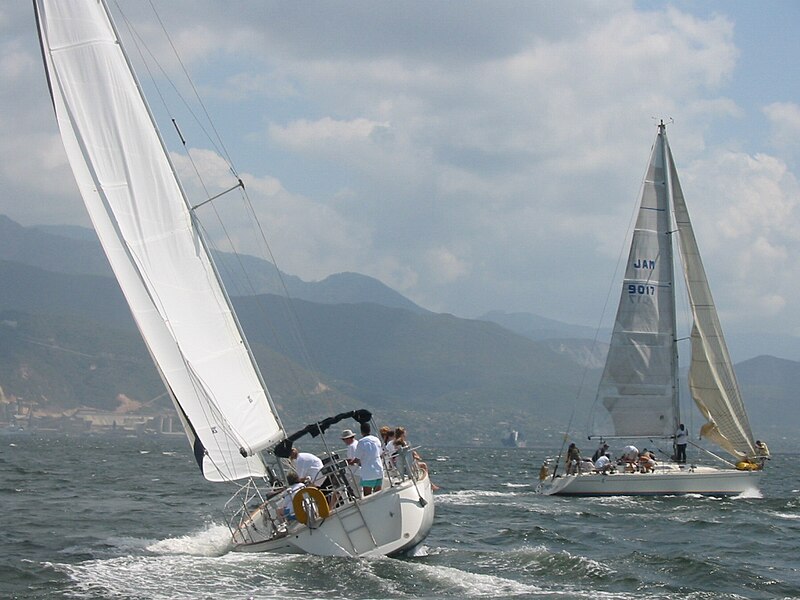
604	464
630	455
601	450
647	461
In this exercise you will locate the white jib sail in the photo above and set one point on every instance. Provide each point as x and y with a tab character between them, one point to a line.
637	387
712	381
142	218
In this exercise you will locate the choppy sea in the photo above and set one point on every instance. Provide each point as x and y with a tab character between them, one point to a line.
131	518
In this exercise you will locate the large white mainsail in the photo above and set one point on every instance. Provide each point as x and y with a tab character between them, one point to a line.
712	381
637	388
146	227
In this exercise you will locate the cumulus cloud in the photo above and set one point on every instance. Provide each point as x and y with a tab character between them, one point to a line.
745	212
327	132
784	118
472	156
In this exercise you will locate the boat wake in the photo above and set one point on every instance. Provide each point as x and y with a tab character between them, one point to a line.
473	497
214	540
747	494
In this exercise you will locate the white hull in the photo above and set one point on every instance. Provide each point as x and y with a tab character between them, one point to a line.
389	522
665	481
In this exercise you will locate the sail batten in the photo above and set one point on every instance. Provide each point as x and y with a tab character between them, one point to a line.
143	220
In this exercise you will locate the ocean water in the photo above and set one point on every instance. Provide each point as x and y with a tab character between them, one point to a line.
131	518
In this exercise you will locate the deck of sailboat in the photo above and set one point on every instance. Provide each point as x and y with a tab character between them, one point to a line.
389	522
666	480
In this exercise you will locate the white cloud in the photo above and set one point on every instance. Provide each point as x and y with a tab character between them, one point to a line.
784	118
446	266
327	132
745	211
473	156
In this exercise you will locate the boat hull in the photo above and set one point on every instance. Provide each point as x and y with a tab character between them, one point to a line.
706	481
390	522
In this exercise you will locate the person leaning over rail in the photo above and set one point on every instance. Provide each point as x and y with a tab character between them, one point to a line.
308	466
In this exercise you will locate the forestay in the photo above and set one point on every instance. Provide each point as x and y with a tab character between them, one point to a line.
145	226
637	387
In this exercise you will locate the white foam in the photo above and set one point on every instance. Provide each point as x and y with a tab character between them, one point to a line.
214	540
472	497
754	493
788	516
476	584
177	578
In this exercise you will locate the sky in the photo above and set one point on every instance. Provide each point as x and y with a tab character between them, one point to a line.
474	156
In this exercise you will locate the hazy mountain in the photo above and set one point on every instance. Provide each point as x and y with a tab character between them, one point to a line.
769	386
541	328
76	250
38	248
67	339
37	291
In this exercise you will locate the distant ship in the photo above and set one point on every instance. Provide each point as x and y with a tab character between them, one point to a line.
513	440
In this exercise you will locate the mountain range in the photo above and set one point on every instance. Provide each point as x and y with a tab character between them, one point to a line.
67	339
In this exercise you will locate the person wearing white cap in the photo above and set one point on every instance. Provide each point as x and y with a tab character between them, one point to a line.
354	471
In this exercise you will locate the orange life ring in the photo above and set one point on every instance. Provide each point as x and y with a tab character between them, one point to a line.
317	497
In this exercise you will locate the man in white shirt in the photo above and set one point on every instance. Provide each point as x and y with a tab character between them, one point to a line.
630	456
353	470
368	456
603	463
307	466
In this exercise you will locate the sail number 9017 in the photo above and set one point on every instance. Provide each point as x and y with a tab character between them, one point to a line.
641	289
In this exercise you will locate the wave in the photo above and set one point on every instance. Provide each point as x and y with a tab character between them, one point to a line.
747	494
472	497
213	540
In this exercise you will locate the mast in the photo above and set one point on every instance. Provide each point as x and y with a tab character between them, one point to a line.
146	227
665	152
245	452
636	395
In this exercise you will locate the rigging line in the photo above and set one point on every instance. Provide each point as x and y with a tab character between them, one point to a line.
195	381
138	39
613	281
612	284
252	289
138	43
218	144
288	299
220	148
224	150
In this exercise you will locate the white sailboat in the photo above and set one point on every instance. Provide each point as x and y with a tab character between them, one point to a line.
149	232
637	398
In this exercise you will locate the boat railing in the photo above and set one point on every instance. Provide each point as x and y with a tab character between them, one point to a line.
254	513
